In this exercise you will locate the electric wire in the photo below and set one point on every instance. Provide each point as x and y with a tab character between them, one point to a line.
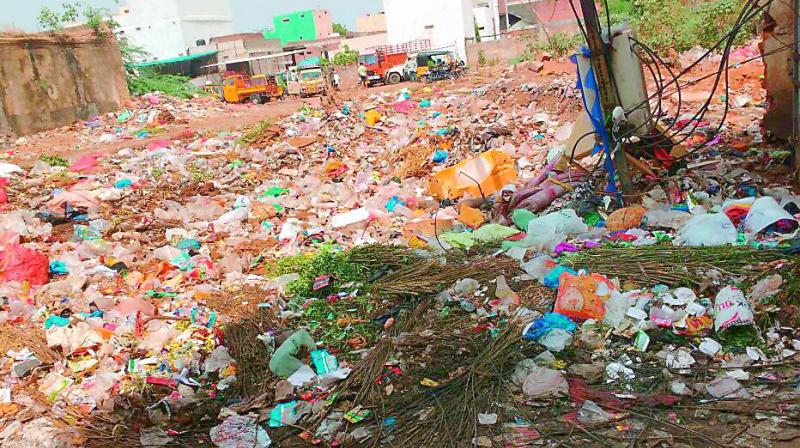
747	13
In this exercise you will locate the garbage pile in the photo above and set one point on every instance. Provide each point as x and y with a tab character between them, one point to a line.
153	117
426	267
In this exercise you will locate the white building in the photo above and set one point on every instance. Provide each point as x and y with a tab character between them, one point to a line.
167	28
446	23
487	19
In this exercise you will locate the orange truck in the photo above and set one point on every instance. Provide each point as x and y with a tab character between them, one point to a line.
386	64
239	87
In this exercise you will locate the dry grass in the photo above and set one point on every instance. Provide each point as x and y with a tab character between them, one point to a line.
17	338
412	161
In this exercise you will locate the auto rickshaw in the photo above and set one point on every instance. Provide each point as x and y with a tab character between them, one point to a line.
437	65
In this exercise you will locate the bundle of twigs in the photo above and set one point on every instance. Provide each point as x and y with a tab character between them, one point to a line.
671	264
451	410
362	379
381	255
241	303
104	435
431	276
252	357
17	338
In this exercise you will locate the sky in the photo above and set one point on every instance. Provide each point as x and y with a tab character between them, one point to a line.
248	15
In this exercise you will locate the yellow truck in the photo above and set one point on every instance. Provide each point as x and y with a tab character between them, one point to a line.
312	81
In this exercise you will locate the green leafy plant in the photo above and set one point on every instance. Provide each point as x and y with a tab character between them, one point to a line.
716	18
559	45
681	25
347	56
340	29
54	160
49	19
481	59
149	81
98	19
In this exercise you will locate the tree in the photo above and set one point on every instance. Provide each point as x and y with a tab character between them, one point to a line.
347	56
340	29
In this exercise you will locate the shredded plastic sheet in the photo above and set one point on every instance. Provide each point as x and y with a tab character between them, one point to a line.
239	431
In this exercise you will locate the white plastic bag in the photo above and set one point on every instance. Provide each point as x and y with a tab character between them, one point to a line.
765	212
707	230
545	232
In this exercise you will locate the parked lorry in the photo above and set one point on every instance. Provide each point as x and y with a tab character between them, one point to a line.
386	64
239	87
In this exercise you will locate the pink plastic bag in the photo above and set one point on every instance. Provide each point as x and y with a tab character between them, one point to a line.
131	305
3	194
85	163
18	263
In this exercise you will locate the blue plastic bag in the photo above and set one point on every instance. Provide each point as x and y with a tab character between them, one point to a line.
546	324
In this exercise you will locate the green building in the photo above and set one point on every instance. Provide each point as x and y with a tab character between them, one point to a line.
301	26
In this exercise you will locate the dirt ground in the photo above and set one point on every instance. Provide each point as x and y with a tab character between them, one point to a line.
66	142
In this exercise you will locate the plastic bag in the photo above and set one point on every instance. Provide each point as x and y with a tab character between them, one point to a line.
3	193
493	232
219	359
18	263
482	175
626	218
731	309
545	232
85	163
239	431
544	382
471	216
539	266
616	307
583	297
707	230
373	117
765	212
547	323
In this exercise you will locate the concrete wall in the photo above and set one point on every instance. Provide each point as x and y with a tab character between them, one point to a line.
166	28
323	23
365	42
375	23
487	17
501	51
299	26
446	23
47	83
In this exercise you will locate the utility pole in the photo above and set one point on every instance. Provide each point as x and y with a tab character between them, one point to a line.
600	58
796	91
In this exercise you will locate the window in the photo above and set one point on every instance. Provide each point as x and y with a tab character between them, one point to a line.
302	16
138	28
286	20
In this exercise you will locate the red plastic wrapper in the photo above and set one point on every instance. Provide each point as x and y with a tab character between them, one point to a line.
18	263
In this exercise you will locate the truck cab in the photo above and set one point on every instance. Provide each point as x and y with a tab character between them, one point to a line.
312	81
387	64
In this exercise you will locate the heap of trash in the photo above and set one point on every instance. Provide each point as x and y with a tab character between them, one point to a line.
425	267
